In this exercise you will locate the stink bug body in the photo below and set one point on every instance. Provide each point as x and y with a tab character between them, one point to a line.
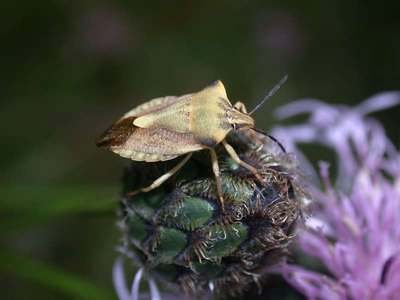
167	127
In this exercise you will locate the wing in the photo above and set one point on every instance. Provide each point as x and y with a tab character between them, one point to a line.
154	105
183	113
175	117
146	144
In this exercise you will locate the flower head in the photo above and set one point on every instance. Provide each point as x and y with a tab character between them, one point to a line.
355	228
357	140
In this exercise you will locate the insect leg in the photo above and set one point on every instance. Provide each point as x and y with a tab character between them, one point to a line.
237	159
240	107
215	167
160	180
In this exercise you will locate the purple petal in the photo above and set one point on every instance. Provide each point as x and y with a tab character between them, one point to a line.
135	291
297	134
313	285
316	244
392	276
155	293
298	107
379	102
119	280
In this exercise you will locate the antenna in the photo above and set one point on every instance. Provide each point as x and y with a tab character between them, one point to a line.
270	93
271	137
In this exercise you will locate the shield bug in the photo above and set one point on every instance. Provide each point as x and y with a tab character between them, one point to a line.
167	127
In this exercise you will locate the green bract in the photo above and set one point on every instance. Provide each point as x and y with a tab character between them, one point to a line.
179	234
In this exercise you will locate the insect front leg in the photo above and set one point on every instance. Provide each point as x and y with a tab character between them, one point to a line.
217	174
240	162
240	107
160	180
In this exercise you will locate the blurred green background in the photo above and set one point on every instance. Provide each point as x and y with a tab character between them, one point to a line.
70	68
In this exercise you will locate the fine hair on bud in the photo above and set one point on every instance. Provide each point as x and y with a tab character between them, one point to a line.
179	234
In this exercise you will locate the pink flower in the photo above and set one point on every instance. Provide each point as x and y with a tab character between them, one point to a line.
355	228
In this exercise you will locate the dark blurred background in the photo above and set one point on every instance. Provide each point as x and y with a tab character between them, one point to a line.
70	68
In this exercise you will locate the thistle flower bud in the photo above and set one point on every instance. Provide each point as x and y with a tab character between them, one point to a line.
181	237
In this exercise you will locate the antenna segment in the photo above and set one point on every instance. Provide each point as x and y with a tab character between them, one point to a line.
270	93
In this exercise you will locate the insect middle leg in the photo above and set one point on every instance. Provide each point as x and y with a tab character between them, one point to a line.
240	162
160	180
217	174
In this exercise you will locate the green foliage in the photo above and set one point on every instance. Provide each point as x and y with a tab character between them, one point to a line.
25	206
52	277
